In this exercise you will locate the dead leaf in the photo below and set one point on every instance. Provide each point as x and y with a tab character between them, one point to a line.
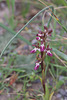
13	78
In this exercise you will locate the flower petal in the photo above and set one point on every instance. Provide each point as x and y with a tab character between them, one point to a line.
34	50
42	47
36	66
49	53
37	38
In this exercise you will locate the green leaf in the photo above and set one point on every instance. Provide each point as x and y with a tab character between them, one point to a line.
13	5
8	3
59	53
46	96
60	2
59	66
59	83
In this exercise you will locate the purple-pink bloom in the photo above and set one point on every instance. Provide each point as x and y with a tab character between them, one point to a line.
34	50
37	38
36	66
42	47
49	53
40	35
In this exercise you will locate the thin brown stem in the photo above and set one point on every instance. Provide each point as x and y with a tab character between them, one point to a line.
43	78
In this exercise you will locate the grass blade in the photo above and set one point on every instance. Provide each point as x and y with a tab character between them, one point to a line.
13	32
59	53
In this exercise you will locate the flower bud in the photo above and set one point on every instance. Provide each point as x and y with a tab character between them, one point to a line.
45	27
50	31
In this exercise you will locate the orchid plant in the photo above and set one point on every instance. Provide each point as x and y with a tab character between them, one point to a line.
42	49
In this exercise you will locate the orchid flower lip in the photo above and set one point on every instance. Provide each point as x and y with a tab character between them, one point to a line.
36	66
37	38
34	50
49	53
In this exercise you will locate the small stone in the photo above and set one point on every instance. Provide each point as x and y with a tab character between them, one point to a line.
62	92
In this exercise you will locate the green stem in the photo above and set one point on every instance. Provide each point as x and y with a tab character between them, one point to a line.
23	28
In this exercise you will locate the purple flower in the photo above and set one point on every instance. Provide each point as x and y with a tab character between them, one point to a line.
36	66
42	47
37	38
47	31
40	35
49	53
34	50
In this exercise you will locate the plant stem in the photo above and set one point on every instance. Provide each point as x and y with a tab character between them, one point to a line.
43	78
42	60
